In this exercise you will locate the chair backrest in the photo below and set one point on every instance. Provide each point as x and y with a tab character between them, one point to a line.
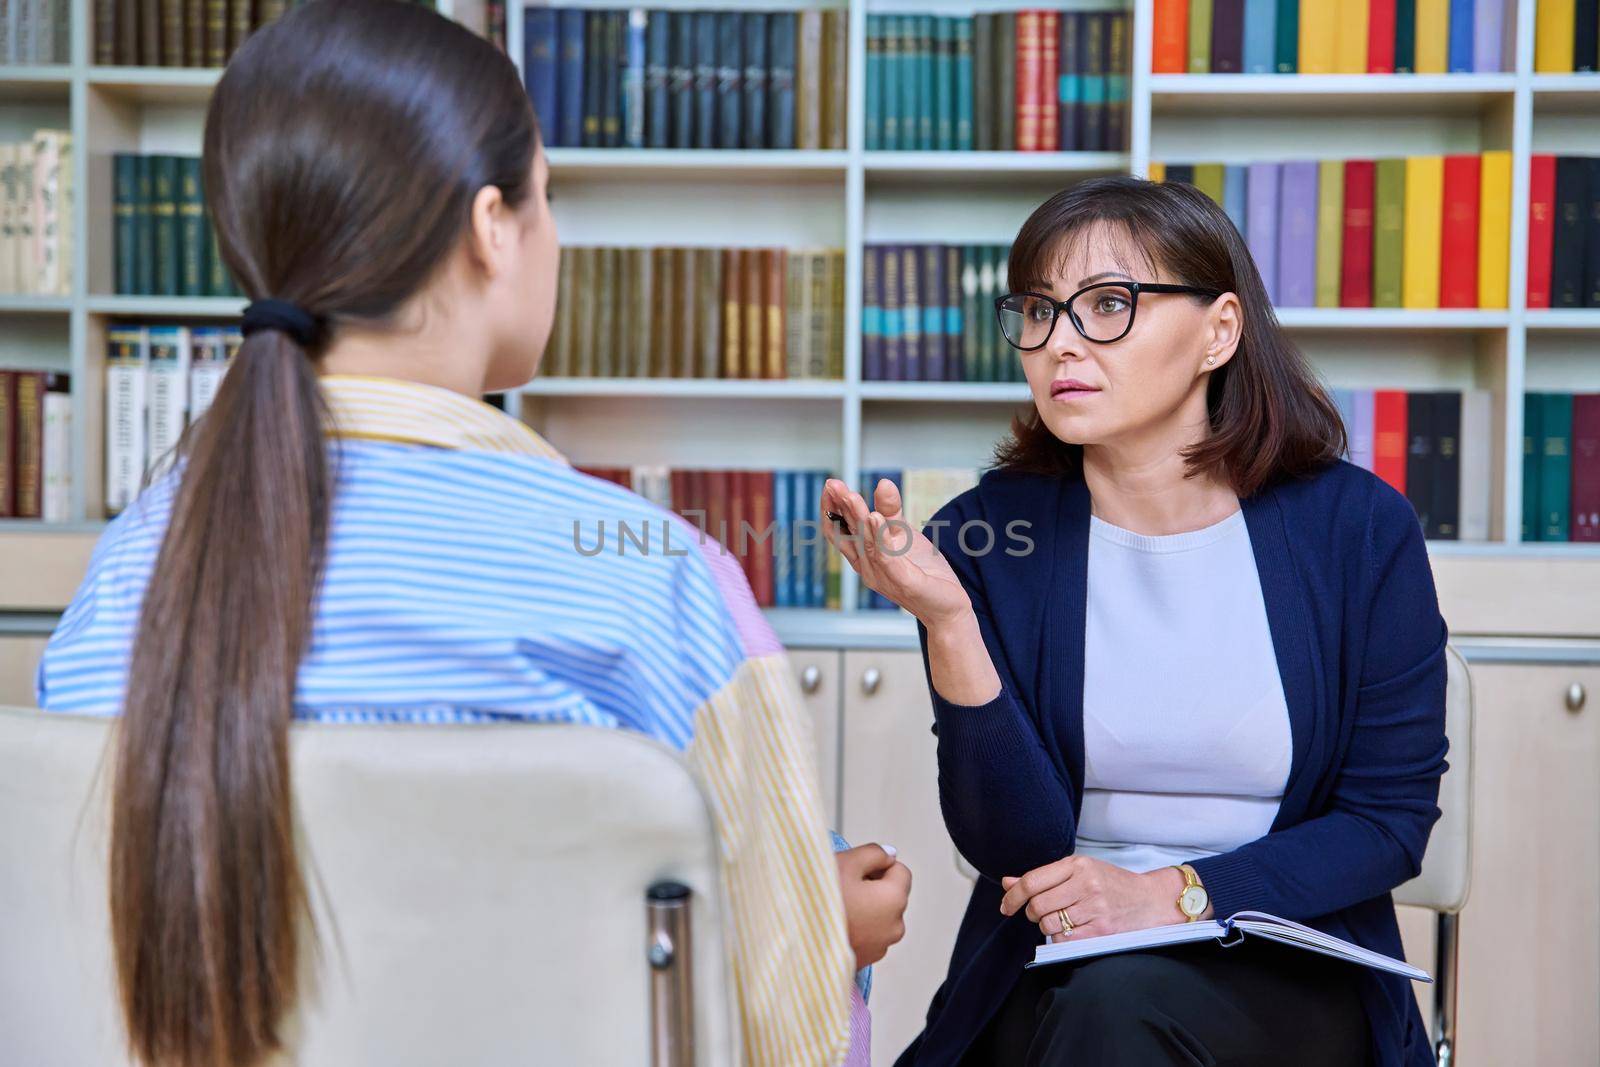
1447	867
479	894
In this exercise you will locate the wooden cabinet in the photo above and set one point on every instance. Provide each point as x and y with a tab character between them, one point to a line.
891	795
1530	933
817	671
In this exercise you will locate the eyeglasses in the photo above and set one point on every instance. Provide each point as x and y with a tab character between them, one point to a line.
1101	313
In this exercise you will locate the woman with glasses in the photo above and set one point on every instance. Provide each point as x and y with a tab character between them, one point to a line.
1184	662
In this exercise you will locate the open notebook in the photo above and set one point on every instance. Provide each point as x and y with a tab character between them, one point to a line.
1229	932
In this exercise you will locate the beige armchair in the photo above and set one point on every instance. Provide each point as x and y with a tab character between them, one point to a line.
479	893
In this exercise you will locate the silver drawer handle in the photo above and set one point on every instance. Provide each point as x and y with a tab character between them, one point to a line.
810	679
1575	697
871	678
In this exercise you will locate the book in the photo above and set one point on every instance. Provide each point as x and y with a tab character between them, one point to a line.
28	446
574	42
1390	437
1355	280
1227	36
1424	195
1297	235
127	359
1330	231
1488	36
1433	37
1169	53
1494	231
1476	467
1261	222
1227	932
1555	467
1532	424
1351	37
1591	239
1260	36
1380	36
56	505
167	403
1419	459
1554	36
1200	27
755	81
1445	496
1586	468
1319	34
1029	80
1541	227
8	437
1567	253
1405	36
1458	256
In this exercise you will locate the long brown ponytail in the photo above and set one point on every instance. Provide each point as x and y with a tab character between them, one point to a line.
343	147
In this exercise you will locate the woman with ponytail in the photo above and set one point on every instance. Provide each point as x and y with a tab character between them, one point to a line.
349	534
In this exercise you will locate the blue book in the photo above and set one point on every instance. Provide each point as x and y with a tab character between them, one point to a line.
874	127
569	94
817	562
1488	36
944	83
899	128
1235	181
1461	37
756	68
1361	428
705	80
540	32
1260	36
872	315
633	72
1297	235
926	61
963	37
657	99
1261	223
782	539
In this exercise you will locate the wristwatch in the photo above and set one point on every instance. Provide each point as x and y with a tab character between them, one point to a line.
1194	899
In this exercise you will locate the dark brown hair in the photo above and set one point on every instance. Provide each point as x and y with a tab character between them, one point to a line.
344	146
1271	418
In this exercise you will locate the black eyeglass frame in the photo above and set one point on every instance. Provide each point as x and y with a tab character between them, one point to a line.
1132	288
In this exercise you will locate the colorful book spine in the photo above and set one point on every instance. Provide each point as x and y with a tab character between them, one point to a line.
1261	229
1351	37
1260	36
1458	256
1555	467
127	362
1423	225
1541	228
1330	231
1390	436
1494	231
1360	190
1380	36
1586	468
1030	85
1532	444
1200	26
1169	51
1297	234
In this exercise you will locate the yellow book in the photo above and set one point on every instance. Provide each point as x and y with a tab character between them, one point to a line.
1318	33
1350	38
1554	36
1158	171
1330	230
1433	36
1208	178
1494	231
1424	227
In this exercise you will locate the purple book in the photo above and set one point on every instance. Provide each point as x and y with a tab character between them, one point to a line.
1361	430
1227	37
1297	235
1261	223
1488	36
873	337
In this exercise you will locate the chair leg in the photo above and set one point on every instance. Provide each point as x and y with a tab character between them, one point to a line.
1446	960
668	950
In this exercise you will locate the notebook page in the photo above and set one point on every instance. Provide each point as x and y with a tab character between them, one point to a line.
1290	933
1155	937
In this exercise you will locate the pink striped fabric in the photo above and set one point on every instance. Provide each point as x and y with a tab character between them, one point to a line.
860	1032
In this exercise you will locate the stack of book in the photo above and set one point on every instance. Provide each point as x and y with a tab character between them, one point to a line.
1331	36
1563	232
159	379
164	242
923	491
36	197
1566	38
35	445
744	313
688	79
768	519
1028	81
928	315
179	33
1421	232
35	32
1435	447
1560	467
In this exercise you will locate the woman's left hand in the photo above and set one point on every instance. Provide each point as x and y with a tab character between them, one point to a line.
1100	898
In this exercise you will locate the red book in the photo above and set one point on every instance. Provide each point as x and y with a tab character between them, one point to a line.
1389	437
758	502
1030	63
1458	242
1586	467
1541	227
1360	188
727	498
714	501
1380	37
1169	53
1050	81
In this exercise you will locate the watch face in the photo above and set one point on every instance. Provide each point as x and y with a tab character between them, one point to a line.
1194	900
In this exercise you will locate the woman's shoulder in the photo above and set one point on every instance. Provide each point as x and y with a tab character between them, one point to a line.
1352	511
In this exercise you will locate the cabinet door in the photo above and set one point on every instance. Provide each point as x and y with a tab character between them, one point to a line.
818	674
1530	933
19	658
891	796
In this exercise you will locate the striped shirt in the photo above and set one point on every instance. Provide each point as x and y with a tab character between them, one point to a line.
462	584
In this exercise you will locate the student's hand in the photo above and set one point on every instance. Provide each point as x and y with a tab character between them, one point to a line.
1100	898
891	557
876	887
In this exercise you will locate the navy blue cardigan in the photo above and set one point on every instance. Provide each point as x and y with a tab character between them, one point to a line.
1360	647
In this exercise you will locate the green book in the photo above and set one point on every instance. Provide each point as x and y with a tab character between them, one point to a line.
925	97
1005	65
1405	36
217	282
144	227
1330	231
1209	178
1532	418
191	229
910	85
874	118
1388	233
1555	468
1199	36
983	82
164	207
125	174
893	80
1286	54
963	74
944	83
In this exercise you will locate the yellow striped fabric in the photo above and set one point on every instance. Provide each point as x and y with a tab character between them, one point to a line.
387	409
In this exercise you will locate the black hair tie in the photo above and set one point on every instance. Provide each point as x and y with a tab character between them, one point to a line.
292	319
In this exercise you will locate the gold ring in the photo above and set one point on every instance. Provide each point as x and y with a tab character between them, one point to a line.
1066	923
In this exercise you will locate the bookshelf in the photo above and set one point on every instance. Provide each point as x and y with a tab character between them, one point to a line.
852	198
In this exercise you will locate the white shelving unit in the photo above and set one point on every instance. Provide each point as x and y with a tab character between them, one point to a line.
851	198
